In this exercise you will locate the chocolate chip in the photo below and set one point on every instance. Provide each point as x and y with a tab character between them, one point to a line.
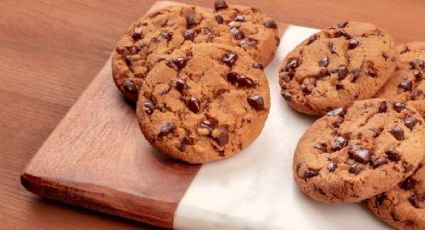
305	89
154	40
353	44
222	138
357	73
194	105
258	66
355	168
416	93
219	19
324	62
270	24
191	19
324	73
338	143
220	4
230	59
385	55
130	87
208	124
167	35
331	48
331	166
311	39
148	107
376	131
337	123
417	64
309	173
286	94
166	128
137	34
181	85
237	34
239	18
408	184
178	62
189	35
128	60
292	65
321	146
360	155
233	77
245	81
372	73
399	106
256	102
341	24
398	133
405	85
410	122
340	111
186	140
383	107
379	162
393	155
339	86
342	33
417	74
380	199
417	200
342	72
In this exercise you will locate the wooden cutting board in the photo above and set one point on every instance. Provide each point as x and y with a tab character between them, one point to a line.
97	158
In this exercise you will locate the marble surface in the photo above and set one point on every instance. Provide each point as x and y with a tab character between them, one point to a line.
255	189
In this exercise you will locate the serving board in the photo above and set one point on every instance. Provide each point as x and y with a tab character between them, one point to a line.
97	158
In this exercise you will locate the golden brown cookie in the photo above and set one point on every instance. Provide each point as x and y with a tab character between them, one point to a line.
203	102
330	69
407	83
356	153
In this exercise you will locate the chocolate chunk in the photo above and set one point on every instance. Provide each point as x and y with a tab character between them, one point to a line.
137	34
342	72
393	155
417	74
230	59
339	86
324	62
380	199
379	162
323	73
321	146
338	143
233	77
305	89
208	124
270	24
191	19
410	122
219	19
239	18
353	44
128	60
148	107
178	63
340	111
222	138
256	102
342	33
337	123
360	155
408	184
258	66
181	85
186	140
405	85
356	74
399	106
355	168
189	34
376	131
383	107
417	200
292	65
309	173
311	39
245	81
372	73
286	94
331	166
417	64
220	4
331	48
398	133
166	128
194	105
416	93
167	35
130	87
237	34
341	24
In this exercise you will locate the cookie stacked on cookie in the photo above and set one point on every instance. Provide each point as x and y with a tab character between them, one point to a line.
370	143
197	76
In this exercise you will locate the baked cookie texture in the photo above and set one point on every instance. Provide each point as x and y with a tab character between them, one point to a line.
340	64
203	102
403	207
407	83
157	34
356	153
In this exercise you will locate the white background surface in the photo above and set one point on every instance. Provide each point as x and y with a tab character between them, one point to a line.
255	189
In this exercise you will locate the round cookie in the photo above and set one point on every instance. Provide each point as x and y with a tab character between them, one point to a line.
157	34
407	84
353	154
204	102
347	62
403	207
251	29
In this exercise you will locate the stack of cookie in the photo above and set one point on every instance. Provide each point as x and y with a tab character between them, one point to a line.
370	143
197	77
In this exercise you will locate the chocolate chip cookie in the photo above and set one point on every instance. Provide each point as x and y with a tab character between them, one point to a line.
407	83
356	153
251	29
203	102
403	207
342	63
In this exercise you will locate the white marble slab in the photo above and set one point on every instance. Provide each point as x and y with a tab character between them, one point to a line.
255	189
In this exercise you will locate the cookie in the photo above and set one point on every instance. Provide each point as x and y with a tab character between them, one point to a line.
403	207
356	153
407	83
251	29
204	102
330	69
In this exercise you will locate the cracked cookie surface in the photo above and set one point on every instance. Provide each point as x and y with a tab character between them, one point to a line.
340	64
356	153
407	84
204	102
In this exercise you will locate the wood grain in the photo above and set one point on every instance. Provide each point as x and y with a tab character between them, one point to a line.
51	50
